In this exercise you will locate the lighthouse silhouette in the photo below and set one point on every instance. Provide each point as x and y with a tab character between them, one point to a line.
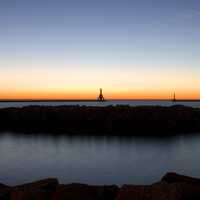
100	97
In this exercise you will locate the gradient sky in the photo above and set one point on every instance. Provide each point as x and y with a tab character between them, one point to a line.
71	48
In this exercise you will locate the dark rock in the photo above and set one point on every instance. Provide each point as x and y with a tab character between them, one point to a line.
158	191
172	187
85	192
190	186
40	190
172	177
110	120
4	192
190	191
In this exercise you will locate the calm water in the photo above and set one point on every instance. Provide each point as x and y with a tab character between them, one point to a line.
93	160
96	103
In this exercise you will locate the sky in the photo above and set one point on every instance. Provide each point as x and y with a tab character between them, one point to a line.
68	49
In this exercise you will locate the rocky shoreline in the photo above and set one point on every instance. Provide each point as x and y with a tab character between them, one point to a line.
171	187
110	120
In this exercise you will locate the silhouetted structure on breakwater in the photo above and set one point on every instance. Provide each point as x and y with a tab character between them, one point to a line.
101	97
174	97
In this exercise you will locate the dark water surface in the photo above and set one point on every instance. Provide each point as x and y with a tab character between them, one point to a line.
96	160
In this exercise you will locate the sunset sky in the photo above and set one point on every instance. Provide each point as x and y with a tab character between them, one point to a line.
68	49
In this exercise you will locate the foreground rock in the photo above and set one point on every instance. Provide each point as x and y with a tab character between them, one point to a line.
171	187
40	190
4	192
177	178
158	191
190	187
85	192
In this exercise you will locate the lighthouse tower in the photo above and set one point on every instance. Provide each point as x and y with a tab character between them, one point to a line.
174	97
100	97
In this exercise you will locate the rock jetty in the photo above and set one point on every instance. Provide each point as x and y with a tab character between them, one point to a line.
110	120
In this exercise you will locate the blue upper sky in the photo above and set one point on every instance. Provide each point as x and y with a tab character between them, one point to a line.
122	45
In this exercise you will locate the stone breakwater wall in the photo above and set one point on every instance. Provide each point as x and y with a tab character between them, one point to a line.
110	120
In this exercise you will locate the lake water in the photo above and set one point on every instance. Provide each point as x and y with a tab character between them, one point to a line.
96	160
106	103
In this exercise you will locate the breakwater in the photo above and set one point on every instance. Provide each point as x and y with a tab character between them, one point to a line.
120	120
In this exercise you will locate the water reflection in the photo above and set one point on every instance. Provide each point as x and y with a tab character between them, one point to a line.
96	160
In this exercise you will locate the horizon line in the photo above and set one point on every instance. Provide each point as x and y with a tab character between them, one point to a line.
109	99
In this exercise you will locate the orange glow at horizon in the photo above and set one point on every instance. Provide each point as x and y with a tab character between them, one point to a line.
84	83
93	94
